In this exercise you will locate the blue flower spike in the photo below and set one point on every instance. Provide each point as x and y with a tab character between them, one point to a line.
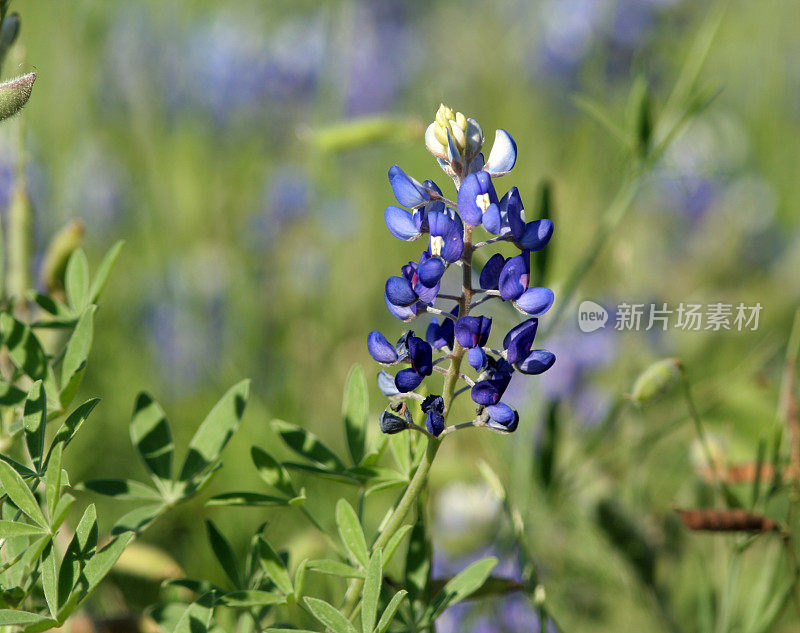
450	231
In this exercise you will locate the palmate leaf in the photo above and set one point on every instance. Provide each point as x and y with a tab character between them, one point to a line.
329	616
197	616
246	499
460	587
274	567
122	489
34	421
351	533
334	568
138	519
103	271
76	356
73	424
372	591
246	599
272	472
389	612
224	554
308	445
20	495
354	412
215	431
152	438
12	529
76	280
24	348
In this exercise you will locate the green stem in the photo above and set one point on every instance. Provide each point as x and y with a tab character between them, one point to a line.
416	485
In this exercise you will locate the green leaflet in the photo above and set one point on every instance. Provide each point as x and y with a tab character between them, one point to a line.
350	532
354	413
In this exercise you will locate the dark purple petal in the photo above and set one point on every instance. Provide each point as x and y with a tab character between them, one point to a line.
380	349
519	340
431	271
511	209
514	277
439	336
408	191
537	234
435	423
386	383
537	362
447	235
401	223
476	358
535	301
400	292
486	392
473	331
421	355
407	380
490	275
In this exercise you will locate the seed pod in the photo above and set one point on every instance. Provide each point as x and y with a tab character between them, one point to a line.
655	380
736	520
14	94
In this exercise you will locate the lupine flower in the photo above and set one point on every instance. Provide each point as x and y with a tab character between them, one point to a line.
433	406
456	141
420	357
442	336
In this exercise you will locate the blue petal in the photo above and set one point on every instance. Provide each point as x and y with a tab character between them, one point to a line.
435	423
404	314
486	392
431	271
518	341
440	335
473	331
407	380
380	349
401	223
421	356
408	191
537	234
502	418
476	164
492	220
513	278
476	357
400	292
503	155
470	189
490	275
535	301
386	383
511	208
537	362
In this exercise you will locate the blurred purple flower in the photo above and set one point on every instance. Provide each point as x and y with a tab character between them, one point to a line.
382	55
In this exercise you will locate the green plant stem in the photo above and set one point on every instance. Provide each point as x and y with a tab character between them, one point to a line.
416	486
701	433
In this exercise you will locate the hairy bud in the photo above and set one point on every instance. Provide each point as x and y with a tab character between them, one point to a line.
14	94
